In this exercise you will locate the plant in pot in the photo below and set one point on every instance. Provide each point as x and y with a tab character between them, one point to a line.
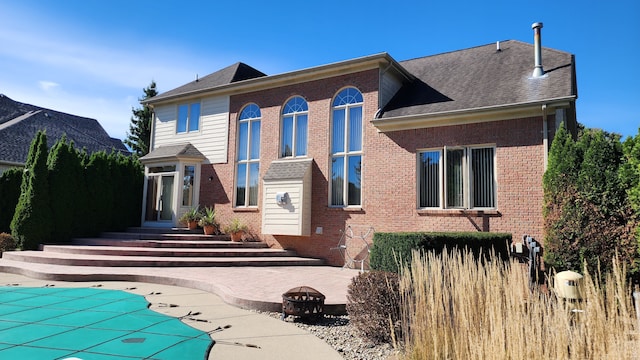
191	218
236	228
208	221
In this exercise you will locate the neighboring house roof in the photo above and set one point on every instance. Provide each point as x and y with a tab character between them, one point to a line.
234	73
180	151
482	77
20	122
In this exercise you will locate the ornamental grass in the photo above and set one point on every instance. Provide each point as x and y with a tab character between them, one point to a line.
455	307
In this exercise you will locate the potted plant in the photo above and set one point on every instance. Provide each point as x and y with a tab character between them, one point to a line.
208	221
191	218
236	228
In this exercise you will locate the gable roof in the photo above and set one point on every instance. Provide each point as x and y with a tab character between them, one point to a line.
234	73
170	152
482	77
20	122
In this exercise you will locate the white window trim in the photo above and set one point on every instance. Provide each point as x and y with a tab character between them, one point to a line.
294	129
346	153
466	168
187	131
248	161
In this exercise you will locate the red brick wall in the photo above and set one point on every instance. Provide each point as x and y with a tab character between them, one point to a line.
388	174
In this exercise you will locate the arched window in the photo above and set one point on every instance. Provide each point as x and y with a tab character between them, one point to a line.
346	148
294	128
248	156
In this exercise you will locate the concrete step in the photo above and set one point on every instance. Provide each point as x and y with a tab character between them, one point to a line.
56	258
177	236
167	251
213	244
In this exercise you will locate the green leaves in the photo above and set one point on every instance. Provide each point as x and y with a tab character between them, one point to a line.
589	202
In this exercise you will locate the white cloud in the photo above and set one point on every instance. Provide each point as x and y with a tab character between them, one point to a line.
48	85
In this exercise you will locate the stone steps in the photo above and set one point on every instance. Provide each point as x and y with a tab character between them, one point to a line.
91	259
149	247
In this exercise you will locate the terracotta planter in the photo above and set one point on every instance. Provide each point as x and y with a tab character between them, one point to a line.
192	225
209	229
237	236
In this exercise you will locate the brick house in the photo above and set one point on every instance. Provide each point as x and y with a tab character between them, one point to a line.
449	142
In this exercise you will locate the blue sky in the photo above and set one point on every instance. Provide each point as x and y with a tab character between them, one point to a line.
93	58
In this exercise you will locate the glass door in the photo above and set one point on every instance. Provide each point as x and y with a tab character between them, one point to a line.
159	202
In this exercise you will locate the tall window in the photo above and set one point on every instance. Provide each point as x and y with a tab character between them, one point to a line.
248	158
187	185
188	117
346	148
459	177
294	128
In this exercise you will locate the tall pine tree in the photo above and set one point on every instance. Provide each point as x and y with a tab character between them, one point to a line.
139	135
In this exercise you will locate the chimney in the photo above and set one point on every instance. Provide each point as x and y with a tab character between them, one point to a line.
538	71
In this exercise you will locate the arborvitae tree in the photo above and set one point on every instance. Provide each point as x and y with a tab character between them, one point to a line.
139	135
561	209
133	175
9	194
32	222
66	188
100	190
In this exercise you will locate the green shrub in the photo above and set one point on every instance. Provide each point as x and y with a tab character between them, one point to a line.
9	194
7	242
32	222
374	305
391	249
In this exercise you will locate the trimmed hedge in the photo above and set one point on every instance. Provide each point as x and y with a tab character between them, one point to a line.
390	248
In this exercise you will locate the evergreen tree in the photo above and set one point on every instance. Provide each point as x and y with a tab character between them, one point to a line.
9	194
100	192
66	189
139	135
586	208
561	209
32	222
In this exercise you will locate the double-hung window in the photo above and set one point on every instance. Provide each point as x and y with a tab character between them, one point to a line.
458	178
248	157
294	128
346	149
188	117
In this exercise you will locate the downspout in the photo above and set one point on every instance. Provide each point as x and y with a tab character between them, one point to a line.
545	135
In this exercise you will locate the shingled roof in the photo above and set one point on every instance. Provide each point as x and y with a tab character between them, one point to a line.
482	77
234	73
20	122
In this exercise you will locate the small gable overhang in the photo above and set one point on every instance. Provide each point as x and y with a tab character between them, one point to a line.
175	153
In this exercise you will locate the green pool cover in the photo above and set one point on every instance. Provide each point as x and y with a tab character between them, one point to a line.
89	323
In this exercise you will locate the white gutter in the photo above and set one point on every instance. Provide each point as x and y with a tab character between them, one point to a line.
466	116
264	82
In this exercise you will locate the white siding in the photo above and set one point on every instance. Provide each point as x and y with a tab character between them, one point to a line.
213	137
389	86
294	218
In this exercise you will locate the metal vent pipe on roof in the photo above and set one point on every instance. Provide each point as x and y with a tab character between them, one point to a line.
537	71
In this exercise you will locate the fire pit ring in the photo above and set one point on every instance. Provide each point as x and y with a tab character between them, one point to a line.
303	301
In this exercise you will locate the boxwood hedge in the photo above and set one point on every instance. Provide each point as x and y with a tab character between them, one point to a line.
391	248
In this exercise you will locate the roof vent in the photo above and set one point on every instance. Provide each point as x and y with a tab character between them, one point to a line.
498	46
537	71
